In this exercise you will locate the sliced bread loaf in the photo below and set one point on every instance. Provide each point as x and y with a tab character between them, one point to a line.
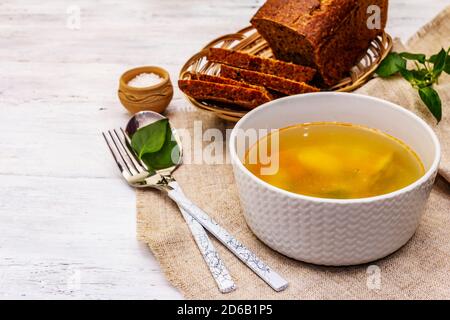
329	36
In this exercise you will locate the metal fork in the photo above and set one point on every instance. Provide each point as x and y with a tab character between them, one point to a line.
164	181
135	172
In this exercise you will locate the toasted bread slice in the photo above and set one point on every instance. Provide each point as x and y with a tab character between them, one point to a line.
283	85
255	63
225	91
222	80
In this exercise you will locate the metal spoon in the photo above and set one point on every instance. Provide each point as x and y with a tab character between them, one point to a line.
164	181
215	264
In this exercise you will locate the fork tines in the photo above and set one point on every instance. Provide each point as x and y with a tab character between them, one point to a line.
129	164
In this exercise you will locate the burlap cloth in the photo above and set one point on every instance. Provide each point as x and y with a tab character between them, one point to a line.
420	270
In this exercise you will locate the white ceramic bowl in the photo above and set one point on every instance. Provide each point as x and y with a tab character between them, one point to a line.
326	231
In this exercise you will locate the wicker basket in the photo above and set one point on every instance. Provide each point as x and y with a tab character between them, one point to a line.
250	41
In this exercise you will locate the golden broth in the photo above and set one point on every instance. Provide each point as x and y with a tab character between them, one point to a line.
336	161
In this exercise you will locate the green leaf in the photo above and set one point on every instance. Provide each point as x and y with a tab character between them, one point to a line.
150	138
420	74
432	100
434	57
391	65
168	156
439	63
447	63
408	75
414	56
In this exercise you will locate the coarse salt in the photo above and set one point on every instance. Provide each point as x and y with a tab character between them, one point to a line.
145	80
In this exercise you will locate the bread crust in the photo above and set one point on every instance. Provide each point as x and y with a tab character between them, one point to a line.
329	35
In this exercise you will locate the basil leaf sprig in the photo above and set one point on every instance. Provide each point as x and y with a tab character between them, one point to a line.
150	138
425	74
156	146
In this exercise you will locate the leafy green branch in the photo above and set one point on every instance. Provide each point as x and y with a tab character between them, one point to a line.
423	76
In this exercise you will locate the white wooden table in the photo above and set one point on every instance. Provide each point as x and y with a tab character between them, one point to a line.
67	220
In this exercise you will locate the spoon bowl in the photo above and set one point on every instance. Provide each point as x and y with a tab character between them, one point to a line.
142	119
145	118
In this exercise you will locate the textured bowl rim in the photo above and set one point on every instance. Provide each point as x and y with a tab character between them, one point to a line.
431	171
163	73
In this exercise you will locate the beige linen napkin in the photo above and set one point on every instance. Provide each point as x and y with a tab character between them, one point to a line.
420	270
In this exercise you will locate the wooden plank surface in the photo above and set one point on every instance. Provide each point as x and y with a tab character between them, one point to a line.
67	220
